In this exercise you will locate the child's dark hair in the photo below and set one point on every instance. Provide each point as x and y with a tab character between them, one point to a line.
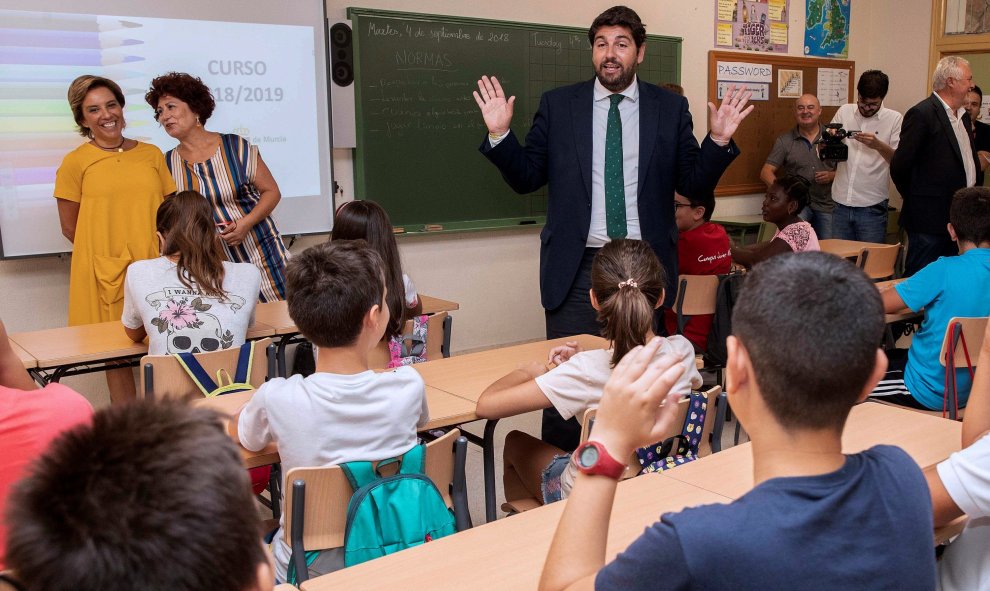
366	220
330	287
619	16
706	200
796	188
628	281
152	495
186	222
970	214
812	324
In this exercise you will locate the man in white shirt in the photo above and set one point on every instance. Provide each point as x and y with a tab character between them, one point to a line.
933	160
961	485
860	188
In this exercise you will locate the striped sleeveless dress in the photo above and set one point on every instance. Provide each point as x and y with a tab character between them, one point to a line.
227	180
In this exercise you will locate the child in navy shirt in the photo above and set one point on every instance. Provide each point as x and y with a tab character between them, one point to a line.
817	518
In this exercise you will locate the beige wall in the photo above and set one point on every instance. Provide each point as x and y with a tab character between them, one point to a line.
494	275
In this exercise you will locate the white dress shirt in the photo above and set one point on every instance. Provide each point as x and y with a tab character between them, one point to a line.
864	179
962	137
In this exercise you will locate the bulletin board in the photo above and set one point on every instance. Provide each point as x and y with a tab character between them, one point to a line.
775	115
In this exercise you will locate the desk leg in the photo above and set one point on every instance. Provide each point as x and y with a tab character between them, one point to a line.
488	453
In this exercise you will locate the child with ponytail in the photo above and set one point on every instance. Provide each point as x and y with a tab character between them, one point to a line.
189	300
627	285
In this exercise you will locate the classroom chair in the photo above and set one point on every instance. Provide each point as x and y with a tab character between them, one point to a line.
163	377
437	341
705	447
696	295
960	349
767	231
880	261
317	500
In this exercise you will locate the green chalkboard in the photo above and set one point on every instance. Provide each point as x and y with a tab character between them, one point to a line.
418	127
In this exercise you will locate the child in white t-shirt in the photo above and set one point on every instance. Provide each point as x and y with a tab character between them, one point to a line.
344	412
189	300
627	285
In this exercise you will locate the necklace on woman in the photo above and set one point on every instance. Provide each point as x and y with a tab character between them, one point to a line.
119	147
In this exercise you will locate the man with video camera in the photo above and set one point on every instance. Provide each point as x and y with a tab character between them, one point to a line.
861	186
796	152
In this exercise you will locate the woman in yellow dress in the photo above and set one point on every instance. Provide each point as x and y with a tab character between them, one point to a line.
108	191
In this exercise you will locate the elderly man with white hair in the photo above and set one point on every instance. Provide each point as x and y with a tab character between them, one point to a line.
934	159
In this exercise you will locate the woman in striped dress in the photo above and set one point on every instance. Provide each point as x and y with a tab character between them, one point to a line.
229	171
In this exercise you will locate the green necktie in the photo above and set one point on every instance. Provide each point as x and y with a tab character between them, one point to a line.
615	186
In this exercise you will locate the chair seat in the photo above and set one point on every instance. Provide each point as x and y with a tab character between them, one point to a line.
520	505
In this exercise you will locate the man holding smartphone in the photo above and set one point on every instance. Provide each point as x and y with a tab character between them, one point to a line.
861	186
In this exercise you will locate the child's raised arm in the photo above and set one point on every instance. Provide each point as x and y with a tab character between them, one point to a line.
514	394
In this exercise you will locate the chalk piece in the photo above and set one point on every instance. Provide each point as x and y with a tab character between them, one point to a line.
398	230
433	227
527	222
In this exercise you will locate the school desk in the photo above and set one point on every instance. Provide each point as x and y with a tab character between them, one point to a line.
26	359
74	350
740	226
276	315
927	439
509	553
847	249
446	410
467	376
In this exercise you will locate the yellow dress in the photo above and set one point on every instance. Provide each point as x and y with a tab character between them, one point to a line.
118	195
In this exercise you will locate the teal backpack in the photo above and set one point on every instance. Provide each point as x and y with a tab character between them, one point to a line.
391	513
387	513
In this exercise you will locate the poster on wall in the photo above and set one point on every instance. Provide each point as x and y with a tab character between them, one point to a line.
754	25
826	29
756	78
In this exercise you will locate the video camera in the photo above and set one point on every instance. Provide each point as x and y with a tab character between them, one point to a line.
831	147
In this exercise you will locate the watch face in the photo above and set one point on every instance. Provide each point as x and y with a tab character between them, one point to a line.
588	456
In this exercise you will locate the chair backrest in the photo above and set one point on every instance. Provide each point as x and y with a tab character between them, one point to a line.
767	230
380	356
880	261
704	447
163	377
696	295
972	331
328	493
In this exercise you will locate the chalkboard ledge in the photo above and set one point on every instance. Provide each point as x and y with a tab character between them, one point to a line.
470	226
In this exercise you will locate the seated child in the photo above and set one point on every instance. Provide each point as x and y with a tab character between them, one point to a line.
961	485
949	287
152	495
29	420
817	518
702	249
627	285
786	198
344	412
190	299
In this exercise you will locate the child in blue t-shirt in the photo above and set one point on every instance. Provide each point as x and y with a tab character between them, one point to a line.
817	518
950	287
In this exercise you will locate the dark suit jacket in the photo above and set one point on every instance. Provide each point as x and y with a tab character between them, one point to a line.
558	151
927	167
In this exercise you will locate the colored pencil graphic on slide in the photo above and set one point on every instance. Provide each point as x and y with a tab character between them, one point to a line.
16	19
45	90
39	56
64	140
61	74
62	39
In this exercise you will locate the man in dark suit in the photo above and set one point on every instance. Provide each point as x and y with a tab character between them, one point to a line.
613	151
934	159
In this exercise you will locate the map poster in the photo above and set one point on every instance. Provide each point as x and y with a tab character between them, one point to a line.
826	31
754	25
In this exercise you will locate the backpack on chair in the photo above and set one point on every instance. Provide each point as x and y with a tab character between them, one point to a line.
391	513
716	353
224	384
663	455
409	348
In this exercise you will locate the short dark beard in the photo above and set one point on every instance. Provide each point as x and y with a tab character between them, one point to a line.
622	82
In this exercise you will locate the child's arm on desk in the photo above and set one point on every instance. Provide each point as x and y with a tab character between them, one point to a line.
12	372
514	394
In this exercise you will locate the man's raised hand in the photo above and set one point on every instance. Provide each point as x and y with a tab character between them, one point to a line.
724	120
496	110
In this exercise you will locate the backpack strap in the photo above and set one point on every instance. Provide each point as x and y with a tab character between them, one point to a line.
694	422
196	373
245	359
359	474
414	460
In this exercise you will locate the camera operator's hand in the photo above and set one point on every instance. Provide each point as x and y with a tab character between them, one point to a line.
824	177
870	140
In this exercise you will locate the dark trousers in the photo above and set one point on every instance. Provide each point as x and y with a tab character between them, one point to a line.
924	249
574	316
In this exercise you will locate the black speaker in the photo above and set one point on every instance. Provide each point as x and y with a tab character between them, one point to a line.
341	55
